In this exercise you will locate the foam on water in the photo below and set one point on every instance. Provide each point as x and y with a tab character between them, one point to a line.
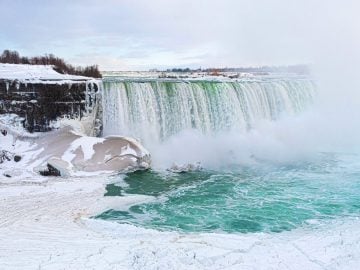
261	198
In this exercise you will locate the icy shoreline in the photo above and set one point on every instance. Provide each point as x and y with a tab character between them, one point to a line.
45	225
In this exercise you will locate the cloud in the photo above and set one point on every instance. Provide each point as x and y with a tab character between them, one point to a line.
144	34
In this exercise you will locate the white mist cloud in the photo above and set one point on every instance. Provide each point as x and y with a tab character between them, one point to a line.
327	35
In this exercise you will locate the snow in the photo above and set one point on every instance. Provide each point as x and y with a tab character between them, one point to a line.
145	76
36	74
13	120
87	147
142	149
67	149
127	150
48	226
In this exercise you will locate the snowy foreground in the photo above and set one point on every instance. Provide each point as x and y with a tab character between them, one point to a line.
45	224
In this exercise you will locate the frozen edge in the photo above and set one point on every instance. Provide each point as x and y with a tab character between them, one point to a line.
47	225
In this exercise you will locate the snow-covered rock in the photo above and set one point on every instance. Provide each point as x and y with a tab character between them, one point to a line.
67	152
40	95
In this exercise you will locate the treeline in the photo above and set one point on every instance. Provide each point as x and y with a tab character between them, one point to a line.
299	69
182	70
13	57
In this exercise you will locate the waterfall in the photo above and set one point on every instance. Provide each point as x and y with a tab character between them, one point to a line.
154	110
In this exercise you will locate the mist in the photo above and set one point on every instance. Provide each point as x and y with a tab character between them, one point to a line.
332	124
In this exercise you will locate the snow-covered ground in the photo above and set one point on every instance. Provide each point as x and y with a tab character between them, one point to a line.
36	74
45	224
195	76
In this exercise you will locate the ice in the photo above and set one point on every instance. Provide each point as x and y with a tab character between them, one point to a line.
47	226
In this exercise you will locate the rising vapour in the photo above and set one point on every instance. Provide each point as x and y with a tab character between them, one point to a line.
332	124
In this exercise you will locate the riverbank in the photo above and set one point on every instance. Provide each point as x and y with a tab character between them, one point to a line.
45	224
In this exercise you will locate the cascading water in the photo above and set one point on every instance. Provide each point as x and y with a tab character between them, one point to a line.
247	135
154	110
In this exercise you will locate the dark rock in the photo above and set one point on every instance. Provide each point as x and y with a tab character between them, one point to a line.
39	104
51	171
17	158
5	156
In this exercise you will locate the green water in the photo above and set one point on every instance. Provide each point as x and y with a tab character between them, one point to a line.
155	110
259	198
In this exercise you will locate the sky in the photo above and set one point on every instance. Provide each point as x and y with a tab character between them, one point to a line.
145	34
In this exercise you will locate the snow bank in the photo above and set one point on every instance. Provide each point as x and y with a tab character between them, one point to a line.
36	74
47	226
69	152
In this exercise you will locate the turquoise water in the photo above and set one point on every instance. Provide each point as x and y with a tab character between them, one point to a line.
259	198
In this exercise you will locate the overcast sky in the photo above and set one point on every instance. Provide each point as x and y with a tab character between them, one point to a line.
143	34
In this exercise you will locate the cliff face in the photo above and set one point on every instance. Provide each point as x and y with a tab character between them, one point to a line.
37	96
41	103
